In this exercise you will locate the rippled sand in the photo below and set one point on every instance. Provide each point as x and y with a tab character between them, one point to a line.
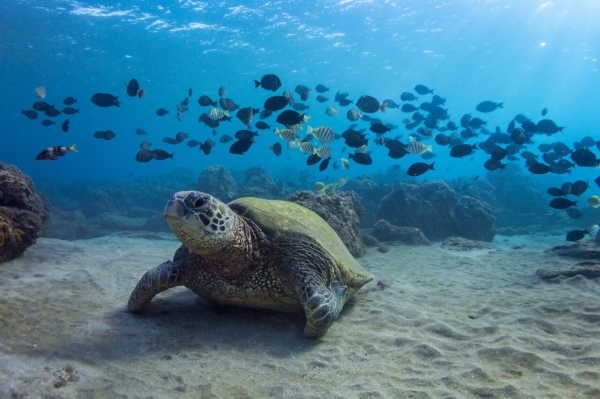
451	324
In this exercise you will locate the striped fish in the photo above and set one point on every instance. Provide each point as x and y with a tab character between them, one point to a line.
331	111
362	149
307	147
318	186
323	152
295	128
286	134
292	145
416	147
217	113
341	182
345	163
323	133
330	188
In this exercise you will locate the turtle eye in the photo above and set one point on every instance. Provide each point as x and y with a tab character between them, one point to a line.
201	201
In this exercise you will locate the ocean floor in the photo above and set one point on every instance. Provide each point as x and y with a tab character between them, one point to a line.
449	325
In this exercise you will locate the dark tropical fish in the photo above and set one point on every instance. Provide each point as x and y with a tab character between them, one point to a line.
228	104
276	103
408	108
144	155
468	133
442	139
423	131
564	164
574	213
406	96
208	121
70	111
597	181
225	138
529	126
300	107
222	91
566	188
576	235
529	155
300	89
109	135
584	157
241	146
99	134
161	155
579	187
132	88
379	128
207	146
417	169
321	98
245	115
51	153
390	104
425	106
422	90
354	139
48	122
65	126
588	142
52	112
30	113
361	158
290	117
499	153
540	168
105	100
462	150
340	96
437	100
161	112
193	143
476	123
184	103
276	148
324	164
562	203
545	112
170	140
206	101
321	88
562	149
451	125
344	102
268	82
313	159
245	134
488	106
368	104
190	92
41	106
262	125
465	120
548	127
140	132
493	164
304	96
555	192
180	136
519	136
69	101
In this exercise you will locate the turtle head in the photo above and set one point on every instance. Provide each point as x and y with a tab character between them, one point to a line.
200	221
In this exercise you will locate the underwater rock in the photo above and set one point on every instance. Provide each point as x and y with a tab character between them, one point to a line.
218	182
387	232
583	249
259	184
23	213
341	210
434	208
370	192
463	244
369	240
587	269
69	226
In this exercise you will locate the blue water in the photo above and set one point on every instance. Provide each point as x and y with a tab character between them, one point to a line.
528	54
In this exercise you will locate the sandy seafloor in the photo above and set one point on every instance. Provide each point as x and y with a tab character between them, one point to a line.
451	325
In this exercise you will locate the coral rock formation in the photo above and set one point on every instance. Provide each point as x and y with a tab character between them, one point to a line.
259	184
387	232
217	181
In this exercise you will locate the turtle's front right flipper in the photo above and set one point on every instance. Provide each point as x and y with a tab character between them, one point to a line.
164	276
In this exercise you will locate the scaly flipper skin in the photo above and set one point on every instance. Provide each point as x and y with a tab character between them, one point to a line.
162	277
322	307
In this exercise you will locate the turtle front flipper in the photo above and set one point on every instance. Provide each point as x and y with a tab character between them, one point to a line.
322	306
164	276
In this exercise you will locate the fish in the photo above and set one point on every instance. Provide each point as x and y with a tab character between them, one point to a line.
406	96
228	104
275	103
65	126
144	145
286	134
268	82
245	134
594	201
422	89
584	157
488	106
318	186
217	113
545	112
214	131
408	108
368	104
331	111
40	92
193	143
313	159
548	127
190	91
442	139
555	192
579	187
206	101
290	117
353	115
322	99
494	164
225	138
540	169
276	148
363	159
52	112
105	100
161	112
574	213
241	146
51	153
576	235
345	163
161	155
379	128
344	102
181	136
301	89
262	125
132	87
300	107
141	93
70	111
462	150
307	148
323	151
222	91
170	140
48	122
245	115
324	164
30	113
41	106
140	132
417	147
562	203
109	135
144	155
322	133
418	168
208	121
321	88
207	146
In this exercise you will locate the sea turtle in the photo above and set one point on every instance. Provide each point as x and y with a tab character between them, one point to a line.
256	253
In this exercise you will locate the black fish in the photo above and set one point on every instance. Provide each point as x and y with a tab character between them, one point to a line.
261	125
417	169
499	154
304	96
529	126
340	96
574	213
548	127
422	90
300	107
597	181
566	188
584	157
579	187
207	146
206	101
170	140
161	155
190	92
322	98
324	164
41	106
313	159
493	164
379	128
465	120
555	192
361	158
52	112
228	104
161	112
70	111
406	96
344	102
69	101
144	156
562	203
519	136
225	138
476	123
576	235
276	103
321	88
290	117
408	108
241	146
48	122
268	82
245	134
540	169
208	121
442	139
368	104
65	126
133	87
488	106
30	113
276	148
437	100
462	150
105	100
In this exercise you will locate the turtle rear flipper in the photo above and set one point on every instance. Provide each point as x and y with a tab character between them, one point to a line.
164	276
322	306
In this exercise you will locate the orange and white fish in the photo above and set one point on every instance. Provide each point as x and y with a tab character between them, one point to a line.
51	153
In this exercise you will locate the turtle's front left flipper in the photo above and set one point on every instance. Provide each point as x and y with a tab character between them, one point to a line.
164	276
322	305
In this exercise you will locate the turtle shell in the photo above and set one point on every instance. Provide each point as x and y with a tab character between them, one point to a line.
290	220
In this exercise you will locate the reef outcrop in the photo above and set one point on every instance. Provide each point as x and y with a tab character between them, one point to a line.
259	184
217	181
386	232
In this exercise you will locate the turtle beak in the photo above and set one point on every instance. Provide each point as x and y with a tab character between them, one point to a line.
175	210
